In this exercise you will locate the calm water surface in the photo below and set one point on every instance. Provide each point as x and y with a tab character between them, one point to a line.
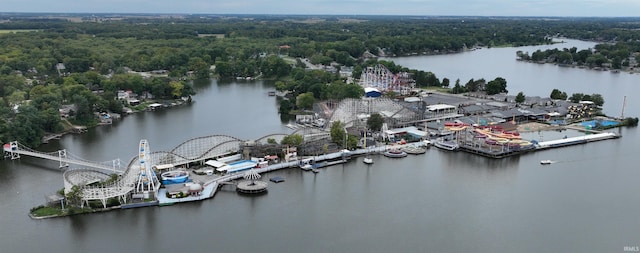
436	202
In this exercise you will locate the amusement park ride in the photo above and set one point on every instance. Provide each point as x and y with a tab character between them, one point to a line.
147	179
383	79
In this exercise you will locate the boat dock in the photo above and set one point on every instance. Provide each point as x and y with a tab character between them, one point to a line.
320	161
503	151
210	187
576	140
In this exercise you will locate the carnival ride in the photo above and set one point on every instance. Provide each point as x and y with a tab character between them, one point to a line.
493	135
175	177
96	180
147	179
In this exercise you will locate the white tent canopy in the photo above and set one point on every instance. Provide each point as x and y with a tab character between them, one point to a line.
218	165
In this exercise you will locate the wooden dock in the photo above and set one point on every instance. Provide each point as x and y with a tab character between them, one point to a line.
497	153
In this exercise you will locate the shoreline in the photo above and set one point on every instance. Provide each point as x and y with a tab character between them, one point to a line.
630	71
79	129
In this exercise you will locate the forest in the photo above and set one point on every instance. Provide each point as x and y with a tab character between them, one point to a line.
47	61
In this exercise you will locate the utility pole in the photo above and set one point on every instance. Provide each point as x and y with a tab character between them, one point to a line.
345	137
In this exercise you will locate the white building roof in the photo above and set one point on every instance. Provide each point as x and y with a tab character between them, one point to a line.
410	130
412	99
370	89
440	107
215	164
164	166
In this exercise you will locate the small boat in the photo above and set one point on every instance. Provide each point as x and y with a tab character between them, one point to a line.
367	160
277	179
446	145
546	162
395	153
306	164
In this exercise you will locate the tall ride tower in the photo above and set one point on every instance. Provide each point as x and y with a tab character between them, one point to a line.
147	180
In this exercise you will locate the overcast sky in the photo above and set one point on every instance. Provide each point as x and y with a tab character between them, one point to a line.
582	8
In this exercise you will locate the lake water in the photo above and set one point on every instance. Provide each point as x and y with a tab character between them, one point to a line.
436	202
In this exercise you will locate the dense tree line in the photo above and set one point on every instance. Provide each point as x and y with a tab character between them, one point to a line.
96	56
495	86
615	56
597	99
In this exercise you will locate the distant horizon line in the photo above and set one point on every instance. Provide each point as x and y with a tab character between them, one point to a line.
302	15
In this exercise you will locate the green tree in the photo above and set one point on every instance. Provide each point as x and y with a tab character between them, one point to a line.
26	127
274	66
281	86
285	106
199	67
16	97
357	71
457	88
520	98
51	121
471	86
176	88
352	142
597	99
445	82
375	121
496	86
84	111
305	100
565	58
292	140
352	91
557	94
320	59
74	196
576	97
337	132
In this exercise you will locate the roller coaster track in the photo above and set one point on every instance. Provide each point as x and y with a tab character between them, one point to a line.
92	180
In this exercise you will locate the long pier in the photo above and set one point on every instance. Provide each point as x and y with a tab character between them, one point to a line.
211	186
502	153
576	140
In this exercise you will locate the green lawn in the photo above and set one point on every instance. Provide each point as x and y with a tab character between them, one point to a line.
46	211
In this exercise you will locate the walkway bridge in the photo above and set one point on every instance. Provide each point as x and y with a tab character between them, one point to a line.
14	149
